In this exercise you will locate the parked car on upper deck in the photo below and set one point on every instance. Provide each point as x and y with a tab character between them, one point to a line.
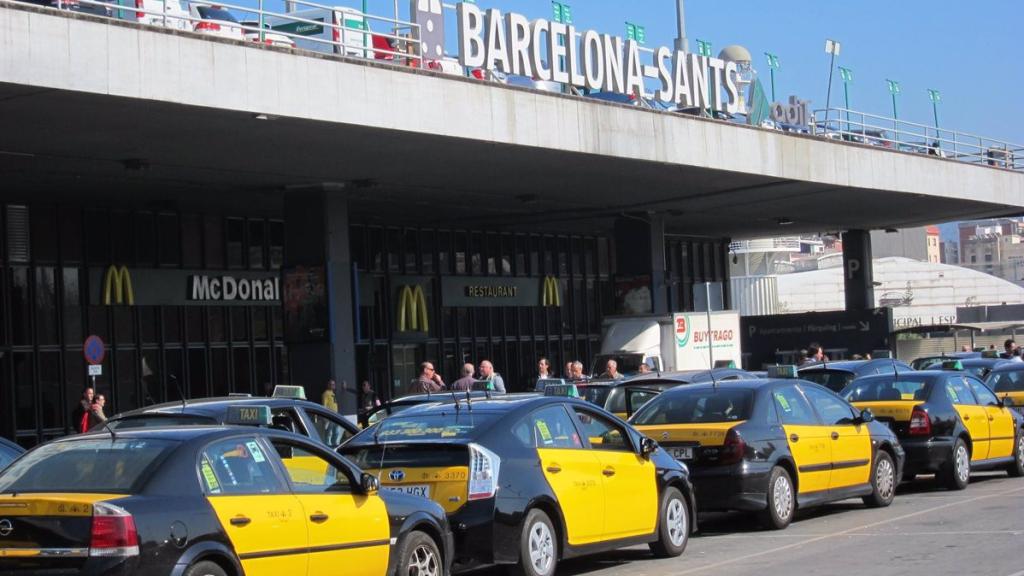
215	20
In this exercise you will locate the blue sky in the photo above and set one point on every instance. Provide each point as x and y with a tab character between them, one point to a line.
953	47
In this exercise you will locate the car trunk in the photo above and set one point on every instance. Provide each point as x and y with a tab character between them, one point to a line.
893	413
47	531
698	443
439	472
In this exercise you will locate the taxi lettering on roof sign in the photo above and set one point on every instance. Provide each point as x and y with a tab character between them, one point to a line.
295	392
249	415
784	371
567	390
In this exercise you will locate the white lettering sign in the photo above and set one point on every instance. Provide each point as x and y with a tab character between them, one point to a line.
228	288
544	50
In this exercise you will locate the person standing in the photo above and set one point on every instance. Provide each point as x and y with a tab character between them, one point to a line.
329	399
577	372
568	371
80	415
543	373
465	383
611	370
96	415
428	382
495	381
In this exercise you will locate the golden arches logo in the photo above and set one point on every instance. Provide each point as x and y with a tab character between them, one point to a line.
118	281
412	310
551	296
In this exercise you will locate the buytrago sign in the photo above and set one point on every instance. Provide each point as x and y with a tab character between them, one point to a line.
553	51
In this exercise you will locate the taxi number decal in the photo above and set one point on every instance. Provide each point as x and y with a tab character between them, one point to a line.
952	394
254	449
545	434
211	479
783	402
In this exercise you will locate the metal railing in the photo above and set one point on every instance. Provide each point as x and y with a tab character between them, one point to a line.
894	134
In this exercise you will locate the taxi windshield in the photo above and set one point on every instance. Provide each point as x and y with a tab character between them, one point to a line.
595	394
696	406
1010	381
907	387
447	426
93	465
832	379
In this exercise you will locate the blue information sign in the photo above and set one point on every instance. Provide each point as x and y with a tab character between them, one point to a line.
94	350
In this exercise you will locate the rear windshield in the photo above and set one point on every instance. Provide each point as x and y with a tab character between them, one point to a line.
595	394
695	406
211	13
152	421
1006	381
883	390
385	456
426	427
834	380
93	465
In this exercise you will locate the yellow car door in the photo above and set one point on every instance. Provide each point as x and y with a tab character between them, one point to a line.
1000	421
348	530
974	416
262	519
573	472
630	486
807	438
850	444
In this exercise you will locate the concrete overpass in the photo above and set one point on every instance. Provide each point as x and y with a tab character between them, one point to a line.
106	108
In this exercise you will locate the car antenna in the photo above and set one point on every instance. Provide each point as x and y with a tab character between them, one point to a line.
113	435
457	405
181	392
895	372
384	448
710	338
469	401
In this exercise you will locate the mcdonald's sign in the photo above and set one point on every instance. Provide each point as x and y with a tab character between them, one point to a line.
413	315
117	282
551	295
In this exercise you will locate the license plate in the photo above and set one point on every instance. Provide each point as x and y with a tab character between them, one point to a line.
414	489
682	453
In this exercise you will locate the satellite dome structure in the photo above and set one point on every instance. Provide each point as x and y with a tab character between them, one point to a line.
745	77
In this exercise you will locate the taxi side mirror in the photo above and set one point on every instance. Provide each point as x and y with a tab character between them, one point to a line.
866	416
1006	402
369	483
647	446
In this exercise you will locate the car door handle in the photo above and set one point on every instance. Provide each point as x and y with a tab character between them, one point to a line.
608	472
835	435
319	517
240	521
967	417
554	468
794	437
991	418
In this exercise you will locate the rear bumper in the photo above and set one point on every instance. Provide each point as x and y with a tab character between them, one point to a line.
472	532
735	487
68	567
927	455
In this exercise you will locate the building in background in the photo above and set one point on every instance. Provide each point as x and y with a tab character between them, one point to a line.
994	247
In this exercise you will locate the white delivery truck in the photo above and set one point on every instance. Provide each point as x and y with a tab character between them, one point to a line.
670	342
307	27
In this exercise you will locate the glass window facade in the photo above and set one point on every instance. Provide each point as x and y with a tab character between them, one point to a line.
154	353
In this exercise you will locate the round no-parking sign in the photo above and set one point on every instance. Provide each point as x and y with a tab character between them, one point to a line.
94	350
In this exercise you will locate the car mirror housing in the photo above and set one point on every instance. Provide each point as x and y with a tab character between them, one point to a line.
866	416
647	446
369	483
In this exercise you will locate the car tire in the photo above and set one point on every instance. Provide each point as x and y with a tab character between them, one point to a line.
956	473
1016	468
205	568
883	481
538	546
781	500
673	525
419	556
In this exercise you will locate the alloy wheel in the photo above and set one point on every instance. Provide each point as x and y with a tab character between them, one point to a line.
675	519
960	460
542	548
424	562
885	478
783	497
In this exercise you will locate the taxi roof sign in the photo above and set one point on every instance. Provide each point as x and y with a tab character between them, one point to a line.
725	363
567	390
293	392
783	371
990	354
249	415
953	365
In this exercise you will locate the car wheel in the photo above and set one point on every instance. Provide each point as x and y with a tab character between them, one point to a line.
419	556
781	500
883	481
673	525
957	471
538	546
205	568
1016	468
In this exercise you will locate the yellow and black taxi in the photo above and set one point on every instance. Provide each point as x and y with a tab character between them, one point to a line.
1007	381
209	501
837	375
773	445
625	396
287	413
529	480
949	423
399	404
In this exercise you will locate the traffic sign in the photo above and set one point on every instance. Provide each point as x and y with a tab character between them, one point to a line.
95	370
94	350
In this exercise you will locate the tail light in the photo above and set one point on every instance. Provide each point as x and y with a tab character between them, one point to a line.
113	532
483	472
141	4
336	31
920	423
733	449
210	26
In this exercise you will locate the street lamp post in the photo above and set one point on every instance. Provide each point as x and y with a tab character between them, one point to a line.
847	76
682	43
935	97
773	65
831	47
894	89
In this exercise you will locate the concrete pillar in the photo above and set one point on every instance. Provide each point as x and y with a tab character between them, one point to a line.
640	251
858	276
321	339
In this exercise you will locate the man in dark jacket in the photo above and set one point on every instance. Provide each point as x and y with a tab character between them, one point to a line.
82	409
429	381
